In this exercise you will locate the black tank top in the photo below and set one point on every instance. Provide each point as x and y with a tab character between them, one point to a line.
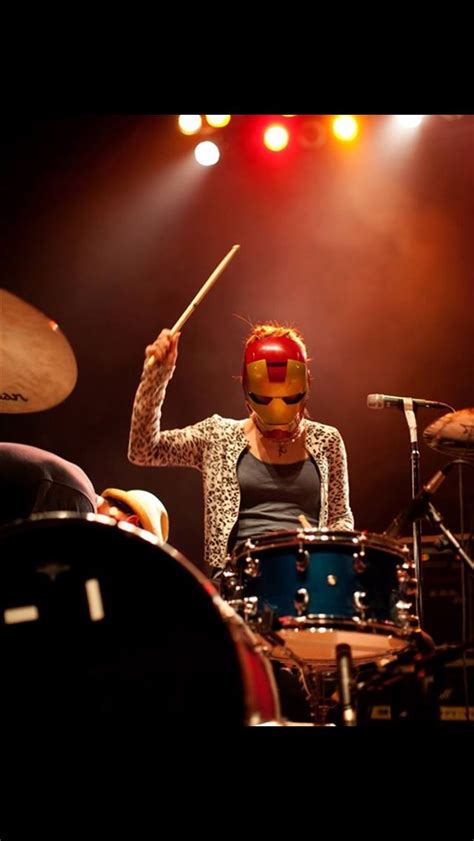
274	495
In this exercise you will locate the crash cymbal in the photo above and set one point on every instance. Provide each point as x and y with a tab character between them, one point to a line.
452	434
37	365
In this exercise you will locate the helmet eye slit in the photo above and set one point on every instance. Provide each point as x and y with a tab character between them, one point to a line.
293	398
260	399
290	400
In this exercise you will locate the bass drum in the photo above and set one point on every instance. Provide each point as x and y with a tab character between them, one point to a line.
102	623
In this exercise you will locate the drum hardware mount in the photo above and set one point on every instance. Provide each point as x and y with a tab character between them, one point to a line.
252	567
229	581
314	680
360	607
250	607
310	677
246	607
302	560
407	582
406	619
360	565
301	601
307	535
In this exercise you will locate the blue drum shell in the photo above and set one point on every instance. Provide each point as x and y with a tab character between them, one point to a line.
334	573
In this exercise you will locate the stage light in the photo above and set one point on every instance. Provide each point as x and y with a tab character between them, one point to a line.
276	138
189	123
218	120
207	153
345	127
409	120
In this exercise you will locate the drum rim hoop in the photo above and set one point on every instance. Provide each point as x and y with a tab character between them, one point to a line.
320	537
382	627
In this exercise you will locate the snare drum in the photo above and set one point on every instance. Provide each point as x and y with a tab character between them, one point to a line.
316	589
101	622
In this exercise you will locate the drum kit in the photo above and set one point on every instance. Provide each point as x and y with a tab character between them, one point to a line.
116	623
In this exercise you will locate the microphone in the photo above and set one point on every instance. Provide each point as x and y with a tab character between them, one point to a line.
388	401
344	680
418	505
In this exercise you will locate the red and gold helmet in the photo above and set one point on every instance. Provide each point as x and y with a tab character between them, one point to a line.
276	382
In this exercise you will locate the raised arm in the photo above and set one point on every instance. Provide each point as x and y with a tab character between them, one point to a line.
148	444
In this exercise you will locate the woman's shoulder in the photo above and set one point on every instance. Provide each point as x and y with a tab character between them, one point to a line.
226	426
317	426
321	430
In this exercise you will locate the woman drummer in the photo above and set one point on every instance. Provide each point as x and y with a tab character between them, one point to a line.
264	472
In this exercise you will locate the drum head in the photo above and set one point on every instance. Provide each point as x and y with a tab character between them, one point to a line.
100	622
317	641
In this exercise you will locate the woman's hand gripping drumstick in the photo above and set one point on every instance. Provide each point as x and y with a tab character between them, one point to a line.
165	349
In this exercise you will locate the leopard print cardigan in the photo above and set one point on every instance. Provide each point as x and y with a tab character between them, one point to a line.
213	446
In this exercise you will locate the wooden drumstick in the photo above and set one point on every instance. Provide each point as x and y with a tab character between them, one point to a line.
200	295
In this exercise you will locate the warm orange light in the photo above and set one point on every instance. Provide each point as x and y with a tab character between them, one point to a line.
276	138
189	123
218	120
345	127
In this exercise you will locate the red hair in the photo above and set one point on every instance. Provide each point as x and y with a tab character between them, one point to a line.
267	329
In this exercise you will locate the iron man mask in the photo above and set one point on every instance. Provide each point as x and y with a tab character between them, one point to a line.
275	381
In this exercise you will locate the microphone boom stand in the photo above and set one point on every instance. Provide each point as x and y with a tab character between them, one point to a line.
436	517
410	413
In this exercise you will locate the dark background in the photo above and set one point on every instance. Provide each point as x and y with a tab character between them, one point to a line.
110	228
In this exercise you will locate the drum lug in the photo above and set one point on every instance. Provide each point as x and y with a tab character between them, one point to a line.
359	605
252	567
237	605
230	586
301	601
250	607
362	541
302	560
230	578
413	621
359	565
408	584
411	587
404	617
